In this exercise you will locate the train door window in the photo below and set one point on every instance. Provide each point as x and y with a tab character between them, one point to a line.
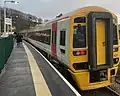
79	36
115	37
62	37
49	35
54	37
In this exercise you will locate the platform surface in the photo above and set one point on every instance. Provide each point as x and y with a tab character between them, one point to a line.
28	74
16	79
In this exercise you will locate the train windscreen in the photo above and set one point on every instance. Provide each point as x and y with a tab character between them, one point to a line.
79	36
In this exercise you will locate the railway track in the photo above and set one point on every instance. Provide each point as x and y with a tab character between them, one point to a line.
107	91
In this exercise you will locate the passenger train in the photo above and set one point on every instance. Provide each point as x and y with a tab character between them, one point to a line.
85	42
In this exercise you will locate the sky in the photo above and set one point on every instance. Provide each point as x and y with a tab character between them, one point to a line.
48	9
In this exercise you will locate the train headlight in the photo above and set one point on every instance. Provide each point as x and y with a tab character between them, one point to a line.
116	60
78	53
115	49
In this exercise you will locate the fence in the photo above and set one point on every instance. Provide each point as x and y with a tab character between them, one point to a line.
6	46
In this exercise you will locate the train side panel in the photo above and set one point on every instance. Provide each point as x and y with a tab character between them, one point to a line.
35	41
63	41
46	48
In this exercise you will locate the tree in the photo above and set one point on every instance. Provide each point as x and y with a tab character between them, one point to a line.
20	20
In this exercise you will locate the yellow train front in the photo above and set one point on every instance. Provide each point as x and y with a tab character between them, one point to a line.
94	50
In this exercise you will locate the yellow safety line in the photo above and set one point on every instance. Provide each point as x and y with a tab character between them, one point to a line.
40	85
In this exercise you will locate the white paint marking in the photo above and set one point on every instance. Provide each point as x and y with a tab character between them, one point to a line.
70	86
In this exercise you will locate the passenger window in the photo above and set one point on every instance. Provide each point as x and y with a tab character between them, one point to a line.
42	36
79	36
62	37
80	20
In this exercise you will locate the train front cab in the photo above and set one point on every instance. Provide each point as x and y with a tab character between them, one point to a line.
94	54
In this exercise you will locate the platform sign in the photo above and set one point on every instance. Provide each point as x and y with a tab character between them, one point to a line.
8	21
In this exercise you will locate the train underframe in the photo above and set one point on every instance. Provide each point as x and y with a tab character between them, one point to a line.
87	80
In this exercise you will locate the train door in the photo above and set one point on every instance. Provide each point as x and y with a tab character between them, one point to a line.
63	40
54	34
100	41
100	35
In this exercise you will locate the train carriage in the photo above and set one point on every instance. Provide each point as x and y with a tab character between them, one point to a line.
85	41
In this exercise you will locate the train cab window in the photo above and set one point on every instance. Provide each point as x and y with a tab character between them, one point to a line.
62	37
79	36
115	37
80	20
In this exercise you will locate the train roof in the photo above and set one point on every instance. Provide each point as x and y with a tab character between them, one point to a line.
83	10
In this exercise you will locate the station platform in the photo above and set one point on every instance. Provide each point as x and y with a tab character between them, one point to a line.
28	73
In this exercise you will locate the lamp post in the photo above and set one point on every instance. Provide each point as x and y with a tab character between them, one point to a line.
6	1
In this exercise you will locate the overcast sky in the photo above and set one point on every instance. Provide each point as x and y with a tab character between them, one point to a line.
50	8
